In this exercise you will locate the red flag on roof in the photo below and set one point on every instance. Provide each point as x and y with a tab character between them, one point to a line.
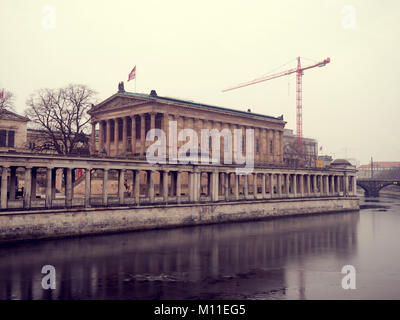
2	94
132	75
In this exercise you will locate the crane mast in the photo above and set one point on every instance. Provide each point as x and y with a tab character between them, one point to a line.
299	106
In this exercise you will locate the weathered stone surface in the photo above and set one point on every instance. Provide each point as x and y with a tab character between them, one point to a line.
61	223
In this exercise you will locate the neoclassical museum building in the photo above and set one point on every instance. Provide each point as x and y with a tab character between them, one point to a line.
120	124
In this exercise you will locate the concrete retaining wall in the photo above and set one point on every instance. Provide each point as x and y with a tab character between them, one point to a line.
25	225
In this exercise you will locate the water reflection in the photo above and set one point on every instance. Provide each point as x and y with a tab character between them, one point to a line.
227	261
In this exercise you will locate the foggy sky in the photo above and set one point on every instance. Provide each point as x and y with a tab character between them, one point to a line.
194	49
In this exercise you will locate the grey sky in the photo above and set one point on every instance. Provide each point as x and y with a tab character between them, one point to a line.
194	49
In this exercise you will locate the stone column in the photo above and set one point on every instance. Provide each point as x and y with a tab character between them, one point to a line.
49	186
226	176
246	186
215	188
178	186
346	185
105	191
321	183
108	137
287	185
150	175
27	187
68	188
257	145
236	186
198	185
133	134
136	190
337	185
190	185
263	195
165	128
152	124
121	187
276	146
327	185
354	185
142	134
101	136
295	185
302	185
281	146
308	185
124	134
165	186
93	138
315	185
87	187
4	187
116	136
13	182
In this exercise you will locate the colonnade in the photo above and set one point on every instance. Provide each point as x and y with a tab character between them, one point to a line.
172	184
127	135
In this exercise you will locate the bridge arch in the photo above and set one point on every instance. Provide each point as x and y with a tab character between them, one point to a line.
392	183
366	191
372	187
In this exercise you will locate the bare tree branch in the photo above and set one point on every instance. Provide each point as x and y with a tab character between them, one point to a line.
7	102
62	115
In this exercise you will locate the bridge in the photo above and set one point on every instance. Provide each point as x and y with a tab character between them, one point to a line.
373	186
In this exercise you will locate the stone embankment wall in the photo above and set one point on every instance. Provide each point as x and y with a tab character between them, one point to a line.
26	225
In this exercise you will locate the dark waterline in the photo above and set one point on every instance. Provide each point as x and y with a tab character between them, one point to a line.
289	258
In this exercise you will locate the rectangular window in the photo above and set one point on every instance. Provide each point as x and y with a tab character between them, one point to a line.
3	134
257	146
270	147
11	135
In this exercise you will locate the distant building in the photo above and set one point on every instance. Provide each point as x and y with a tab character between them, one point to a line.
324	161
15	136
13	129
379	168
290	154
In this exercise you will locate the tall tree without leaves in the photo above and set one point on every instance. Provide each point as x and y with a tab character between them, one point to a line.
61	114
7	101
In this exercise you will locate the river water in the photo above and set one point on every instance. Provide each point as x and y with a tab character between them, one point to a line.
283	258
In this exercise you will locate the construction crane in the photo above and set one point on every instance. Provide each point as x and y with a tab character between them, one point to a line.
299	73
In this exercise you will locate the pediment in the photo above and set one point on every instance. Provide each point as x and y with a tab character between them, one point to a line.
116	102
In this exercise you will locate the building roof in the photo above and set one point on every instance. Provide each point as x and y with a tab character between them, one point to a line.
341	162
382	164
154	97
9	115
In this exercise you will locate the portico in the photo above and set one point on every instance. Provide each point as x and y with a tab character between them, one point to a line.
121	122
